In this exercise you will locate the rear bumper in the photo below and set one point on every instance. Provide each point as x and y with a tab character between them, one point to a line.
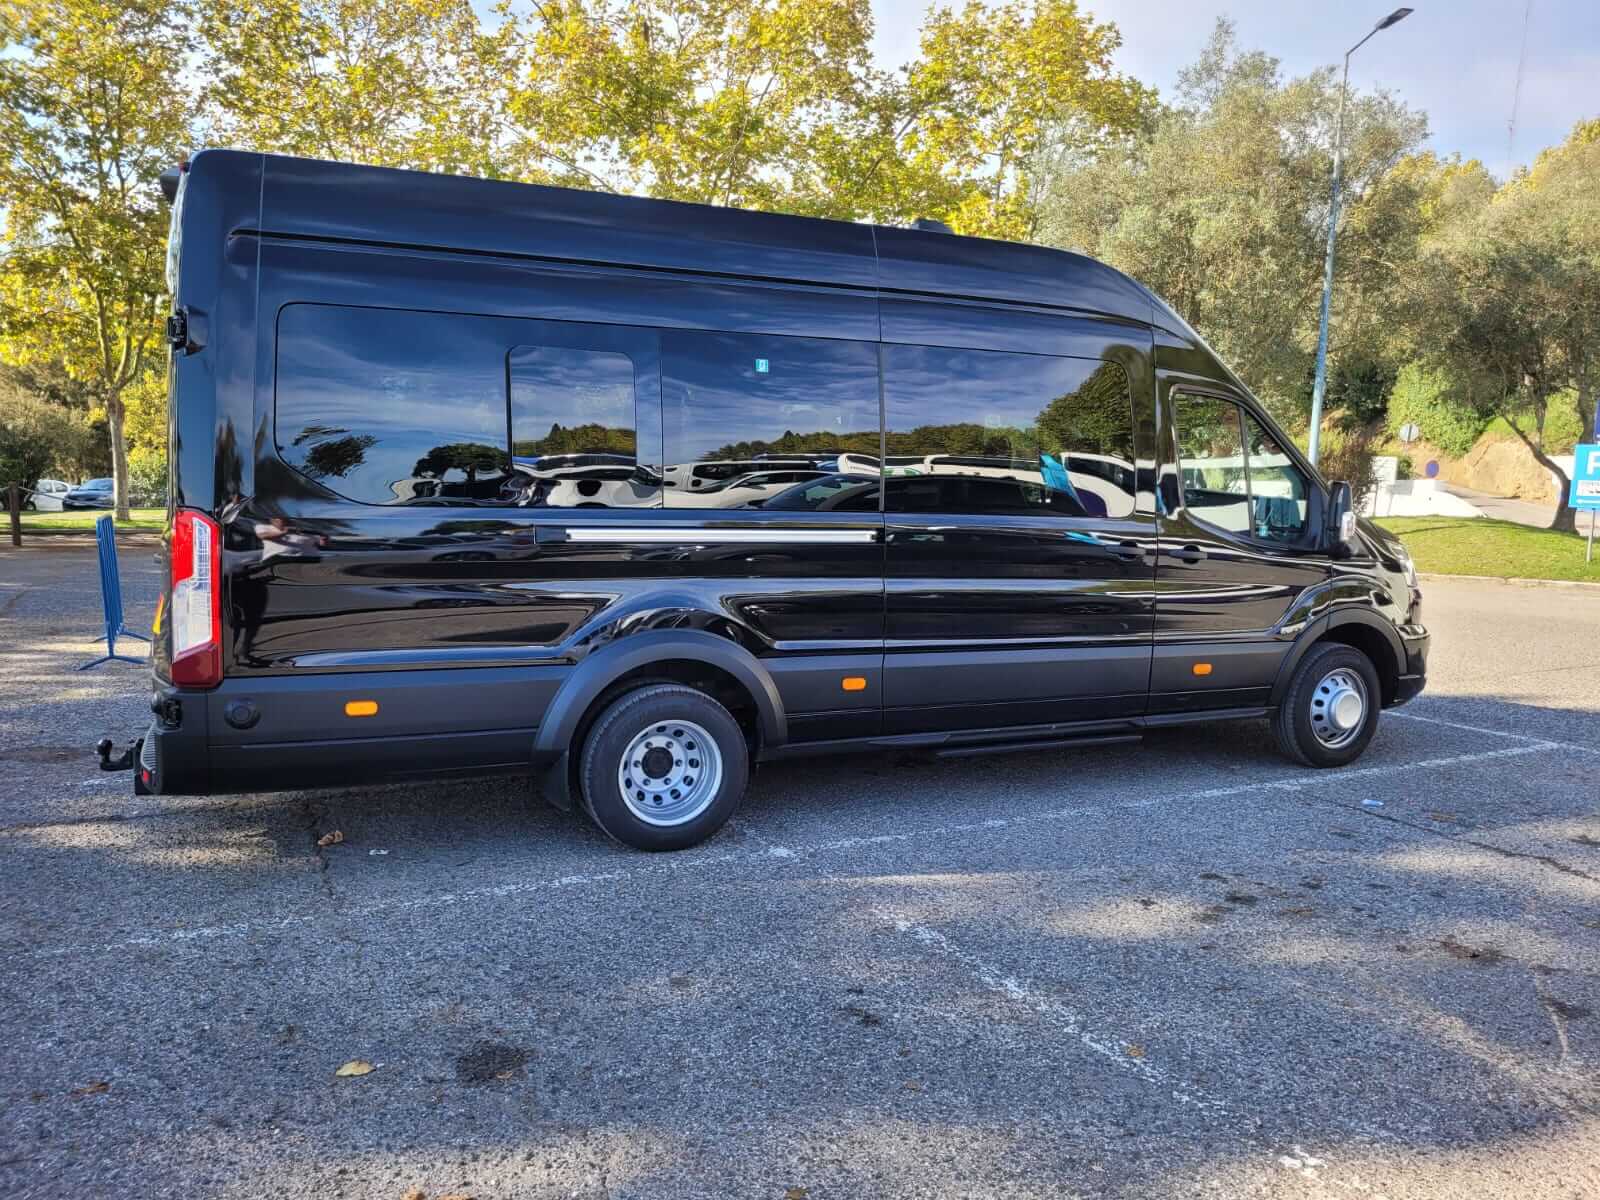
276	733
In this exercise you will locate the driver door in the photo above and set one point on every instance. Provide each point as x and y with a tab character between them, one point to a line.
1235	533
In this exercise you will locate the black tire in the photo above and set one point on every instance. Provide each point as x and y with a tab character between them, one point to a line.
669	708
1296	724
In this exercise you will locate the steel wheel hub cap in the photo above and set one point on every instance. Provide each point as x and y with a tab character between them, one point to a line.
1338	708
670	772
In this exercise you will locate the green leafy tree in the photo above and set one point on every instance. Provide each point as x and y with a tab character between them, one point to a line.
398	83
1220	204
37	437
91	111
774	104
1509	299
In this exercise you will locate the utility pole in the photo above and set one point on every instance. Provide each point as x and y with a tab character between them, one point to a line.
1320	387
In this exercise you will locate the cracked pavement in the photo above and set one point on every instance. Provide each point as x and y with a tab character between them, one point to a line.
1186	968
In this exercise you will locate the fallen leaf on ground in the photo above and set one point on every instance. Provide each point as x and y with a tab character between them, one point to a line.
330	839
415	1194
796	1193
456	1196
1135	1050
356	1066
1443	816
911	1085
90	1089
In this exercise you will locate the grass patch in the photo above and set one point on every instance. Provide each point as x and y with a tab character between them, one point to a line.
1480	546
148	519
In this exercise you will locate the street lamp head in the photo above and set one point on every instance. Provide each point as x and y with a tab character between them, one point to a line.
1394	18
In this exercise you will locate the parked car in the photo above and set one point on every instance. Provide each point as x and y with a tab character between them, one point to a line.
47	496
1080	524
92	493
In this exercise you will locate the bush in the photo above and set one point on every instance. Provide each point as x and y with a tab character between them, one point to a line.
1349	458
1563	427
147	477
1359	391
1424	398
36	437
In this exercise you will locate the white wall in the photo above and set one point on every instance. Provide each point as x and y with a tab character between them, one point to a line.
1415	498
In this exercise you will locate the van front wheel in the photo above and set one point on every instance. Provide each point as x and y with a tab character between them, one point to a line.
663	767
1330	710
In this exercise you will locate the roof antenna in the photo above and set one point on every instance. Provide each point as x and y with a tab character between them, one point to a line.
1516	92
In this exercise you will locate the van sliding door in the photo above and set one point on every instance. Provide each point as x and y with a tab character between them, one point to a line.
1019	569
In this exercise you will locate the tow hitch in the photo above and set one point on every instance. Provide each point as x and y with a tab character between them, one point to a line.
122	762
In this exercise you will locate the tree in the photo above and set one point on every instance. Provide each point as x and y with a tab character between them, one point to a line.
36	436
91	111
1220	204
1510	298
774	104
396	83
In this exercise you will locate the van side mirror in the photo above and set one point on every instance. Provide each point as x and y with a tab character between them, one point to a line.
1341	525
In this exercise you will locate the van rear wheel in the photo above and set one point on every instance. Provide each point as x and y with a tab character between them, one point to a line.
663	767
1330	710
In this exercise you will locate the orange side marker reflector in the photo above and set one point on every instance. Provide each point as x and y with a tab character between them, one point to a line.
1202	668
854	683
360	708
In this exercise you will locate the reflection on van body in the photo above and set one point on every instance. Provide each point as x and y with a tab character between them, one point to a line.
634	495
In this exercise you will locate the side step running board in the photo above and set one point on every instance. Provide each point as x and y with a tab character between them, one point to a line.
1068	743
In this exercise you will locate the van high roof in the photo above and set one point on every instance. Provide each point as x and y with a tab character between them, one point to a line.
300	197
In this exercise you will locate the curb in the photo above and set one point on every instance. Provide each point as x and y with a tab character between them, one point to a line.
1575	584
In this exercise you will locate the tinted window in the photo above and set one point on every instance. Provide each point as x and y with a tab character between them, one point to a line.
978	431
739	410
1278	488
572	429
391	407
1211	452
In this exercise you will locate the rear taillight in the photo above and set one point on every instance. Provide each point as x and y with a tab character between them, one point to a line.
195	611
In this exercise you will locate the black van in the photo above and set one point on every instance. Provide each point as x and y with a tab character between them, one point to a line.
473	476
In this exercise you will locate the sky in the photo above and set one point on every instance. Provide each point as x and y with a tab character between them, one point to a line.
1454	59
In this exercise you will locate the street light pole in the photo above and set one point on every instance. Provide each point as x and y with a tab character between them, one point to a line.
1320	387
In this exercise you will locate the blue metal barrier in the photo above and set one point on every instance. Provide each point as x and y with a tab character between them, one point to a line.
105	536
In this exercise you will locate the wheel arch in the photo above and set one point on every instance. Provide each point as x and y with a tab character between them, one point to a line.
1359	629
726	670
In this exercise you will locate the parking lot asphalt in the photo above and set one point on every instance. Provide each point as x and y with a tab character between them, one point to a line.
1182	968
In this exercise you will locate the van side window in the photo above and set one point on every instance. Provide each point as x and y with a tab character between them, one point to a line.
1236	475
979	431
1216	487
750	419
573	440
390	407
1278	488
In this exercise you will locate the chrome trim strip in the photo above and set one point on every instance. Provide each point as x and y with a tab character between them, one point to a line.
697	536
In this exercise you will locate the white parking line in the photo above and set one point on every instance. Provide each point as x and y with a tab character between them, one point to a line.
1323	779
1505	733
773	854
1125	1054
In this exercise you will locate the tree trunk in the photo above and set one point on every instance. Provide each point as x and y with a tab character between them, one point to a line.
119	452
1564	520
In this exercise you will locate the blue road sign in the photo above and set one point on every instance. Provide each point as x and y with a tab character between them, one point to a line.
1585	476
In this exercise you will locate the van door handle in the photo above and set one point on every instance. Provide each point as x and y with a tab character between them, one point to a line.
1187	554
1131	551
